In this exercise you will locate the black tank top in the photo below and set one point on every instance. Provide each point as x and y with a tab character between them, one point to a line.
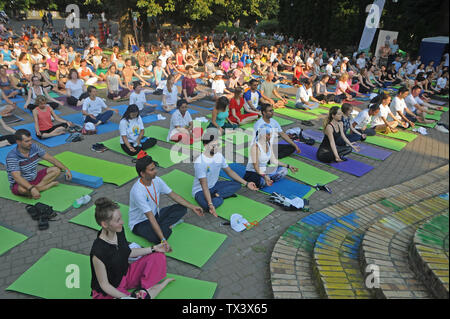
326	141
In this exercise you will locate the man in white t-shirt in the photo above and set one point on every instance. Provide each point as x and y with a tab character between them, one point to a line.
93	108
207	190
284	150
361	62
253	97
305	99
138	97
418	106
329	69
363	119
401	112
146	219
385	121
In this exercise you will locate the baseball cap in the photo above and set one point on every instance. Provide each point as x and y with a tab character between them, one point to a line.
346	59
219	73
238	222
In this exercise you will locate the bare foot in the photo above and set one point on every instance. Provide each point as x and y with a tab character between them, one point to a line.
156	289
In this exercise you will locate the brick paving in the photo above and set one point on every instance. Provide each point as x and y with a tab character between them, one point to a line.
242	267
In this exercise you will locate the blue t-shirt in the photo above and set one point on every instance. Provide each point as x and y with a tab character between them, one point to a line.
6	55
254	97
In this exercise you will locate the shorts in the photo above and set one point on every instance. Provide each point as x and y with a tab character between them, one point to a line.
410	118
39	177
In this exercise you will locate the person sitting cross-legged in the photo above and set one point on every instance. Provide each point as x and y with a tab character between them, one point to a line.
132	132
181	126
261	153
21	166
207	190
380	122
146	219
93	107
43	122
111	274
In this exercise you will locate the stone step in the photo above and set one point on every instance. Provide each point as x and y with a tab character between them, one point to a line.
386	243
429	254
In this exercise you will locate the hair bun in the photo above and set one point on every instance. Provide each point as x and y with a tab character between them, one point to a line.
102	202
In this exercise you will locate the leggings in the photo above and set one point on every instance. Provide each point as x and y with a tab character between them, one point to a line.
10	138
326	155
150	142
54	127
71	100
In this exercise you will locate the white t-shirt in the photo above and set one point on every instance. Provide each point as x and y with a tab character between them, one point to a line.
76	89
362	120
208	168
441	83
218	86
274	125
411	102
329	69
163	58
141	202
94	107
138	99
303	93
398	105
384	113
446	60
131	129
171	97
410	68
178	119
361	63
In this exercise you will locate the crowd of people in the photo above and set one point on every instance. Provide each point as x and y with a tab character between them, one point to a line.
242	79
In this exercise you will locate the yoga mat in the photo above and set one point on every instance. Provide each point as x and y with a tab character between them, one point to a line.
100	86
295	114
190	243
283	86
9	239
146	119
391	144
113	173
181	183
431	125
436	116
48	276
317	110
365	150
107	127
21	105
283	187
330	105
307	174
354	103
59	197
401	135
350	166
11	119
440	103
158	153
160	109
160	133
4	152
49	142
53	94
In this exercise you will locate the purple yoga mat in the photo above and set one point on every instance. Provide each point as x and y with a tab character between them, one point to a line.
350	166
365	150
441	103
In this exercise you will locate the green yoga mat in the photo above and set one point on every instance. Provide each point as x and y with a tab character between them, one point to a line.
295	114
190	243
401	135
160	154
9	239
431	125
160	133
280	121
113	173
47	279
181	183
330	105
436	116
100	86
53	94
307	174
386	142
316	111
60	197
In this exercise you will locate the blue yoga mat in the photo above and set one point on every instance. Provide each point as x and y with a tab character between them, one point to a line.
21	106
202	107
146	119
284	86
159	108
284	187
49	142
77	118
4	152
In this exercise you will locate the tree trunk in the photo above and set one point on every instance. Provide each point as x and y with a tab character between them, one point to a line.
126	29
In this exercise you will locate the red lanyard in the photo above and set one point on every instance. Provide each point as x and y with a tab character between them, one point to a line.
155	200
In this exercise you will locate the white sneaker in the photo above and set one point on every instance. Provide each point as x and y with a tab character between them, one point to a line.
442	129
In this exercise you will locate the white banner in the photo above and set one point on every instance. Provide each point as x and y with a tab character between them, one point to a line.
372	22
383	38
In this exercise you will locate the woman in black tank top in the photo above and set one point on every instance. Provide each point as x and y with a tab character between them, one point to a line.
335	144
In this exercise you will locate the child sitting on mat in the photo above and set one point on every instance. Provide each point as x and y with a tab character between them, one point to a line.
261	152
112	275
43	123
131	129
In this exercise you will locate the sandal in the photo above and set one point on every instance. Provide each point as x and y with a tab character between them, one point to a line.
34	213
43	222
307	123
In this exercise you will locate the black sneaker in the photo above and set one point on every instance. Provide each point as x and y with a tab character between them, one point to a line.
96	148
